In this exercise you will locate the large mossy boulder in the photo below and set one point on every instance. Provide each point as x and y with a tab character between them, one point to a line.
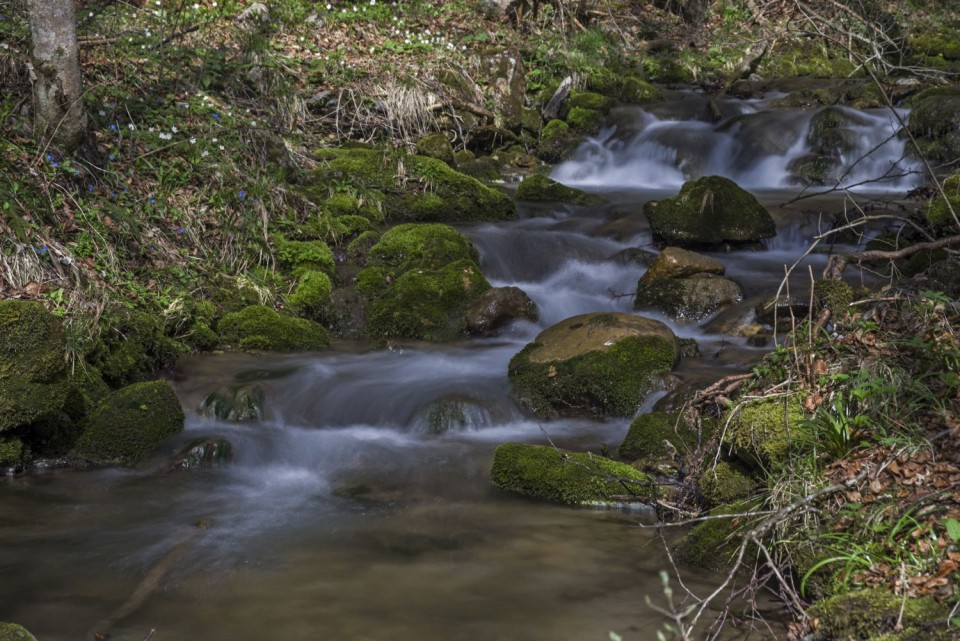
878	613
409	187
437	145
709	211
758	431
131	423
557	141
33	375
684	284
541	188
937	211
935	123
132	346
420	282
600	364
545	473
258	327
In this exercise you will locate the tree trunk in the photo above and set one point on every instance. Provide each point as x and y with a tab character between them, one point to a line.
58	110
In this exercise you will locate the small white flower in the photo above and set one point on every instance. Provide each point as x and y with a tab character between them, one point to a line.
102	112
173	129
204	153
152	129
131	126
193	141
329	6
90	15
214	141
222	148
196	7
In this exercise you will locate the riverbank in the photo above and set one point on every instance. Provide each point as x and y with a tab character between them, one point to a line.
254	164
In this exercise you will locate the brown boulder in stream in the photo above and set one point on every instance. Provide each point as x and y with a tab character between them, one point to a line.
498	306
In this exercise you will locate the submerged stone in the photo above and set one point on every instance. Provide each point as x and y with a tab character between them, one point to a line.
202	452
691	298
240	404
601	364
709	211
131	423
14	632
543	472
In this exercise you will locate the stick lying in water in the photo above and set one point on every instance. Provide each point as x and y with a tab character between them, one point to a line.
101	630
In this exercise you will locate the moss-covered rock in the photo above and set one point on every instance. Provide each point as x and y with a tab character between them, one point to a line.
427	304
132	347
14	632
833	294
868	614
584	120
311	294
935	123
131	423
639	92
437	145
601	364
413	246
301	256
675	262
712	544
725	483
656	435
261	328
557	141
485	168
795	59
33	381
709	211
759	430
409	187
588	100
541	188
12	452
937	211
545	473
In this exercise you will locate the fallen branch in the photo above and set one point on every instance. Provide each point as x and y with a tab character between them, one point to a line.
837	263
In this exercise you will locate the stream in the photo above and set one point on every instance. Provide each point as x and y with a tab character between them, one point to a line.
345	516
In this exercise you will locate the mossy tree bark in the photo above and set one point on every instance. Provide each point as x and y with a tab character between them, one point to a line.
58	109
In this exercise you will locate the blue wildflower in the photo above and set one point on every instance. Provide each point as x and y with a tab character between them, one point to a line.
181	230
113	128
43	250
216	116
242	194
152	200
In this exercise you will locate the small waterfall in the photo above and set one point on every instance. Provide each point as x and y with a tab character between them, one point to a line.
670	143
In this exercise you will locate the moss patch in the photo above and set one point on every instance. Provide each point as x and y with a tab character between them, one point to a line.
541	188
436	145
557	141
647	433
639	92
311	293
760	430
32	367
937	212
866	614
725	483
585	120
261	328
14	632
132	346
711	544
131	423
564	477
300	256
410	187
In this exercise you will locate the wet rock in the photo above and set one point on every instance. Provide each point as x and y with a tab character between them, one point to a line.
725	483
239	404
635	256
484	168
557	141
783	309
656	435
202	452
498	306
938	213
33	375
541	188
685	284
935	123
454	413
131	423
709	211
638	92
488	138
601	364
11	455
831	139
572	478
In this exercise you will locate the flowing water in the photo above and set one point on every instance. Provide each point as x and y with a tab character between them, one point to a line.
344	515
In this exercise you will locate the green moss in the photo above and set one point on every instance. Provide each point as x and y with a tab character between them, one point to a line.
640	92
363	243
300	256
725	483
411	187
413	246
32	366
709	211
132	346
530	120
131	423
261	328
557	141
759	430
693	297
867	614
564	477
541	188
612	382
14	632
805	60
436	145
311	293
835	295
585	120
485	168
647	433
938	213
935	123
588	100
712	544
425	303
11	452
